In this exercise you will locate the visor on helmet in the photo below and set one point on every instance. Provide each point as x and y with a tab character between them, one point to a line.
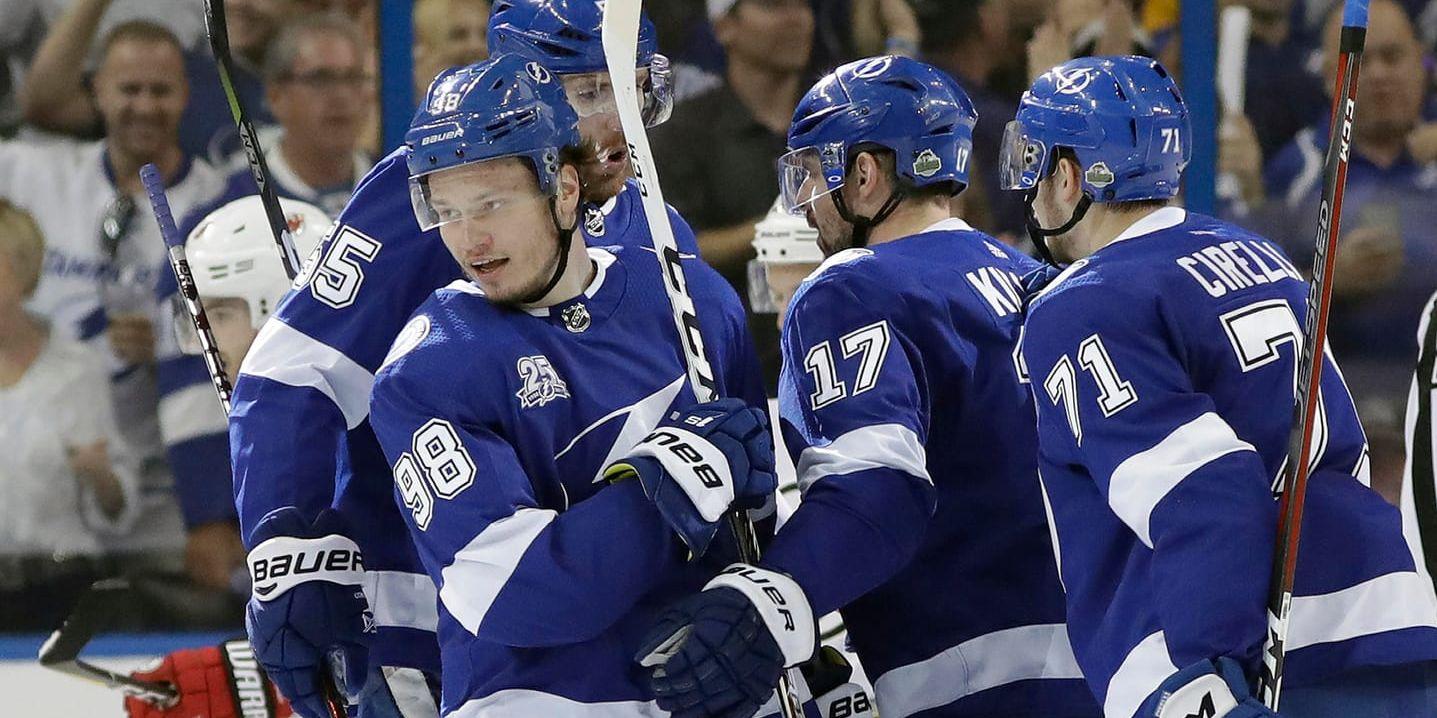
1022	159
433	215
592	93
807	174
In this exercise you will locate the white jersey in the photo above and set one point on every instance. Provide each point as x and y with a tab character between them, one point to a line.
52	407
67	187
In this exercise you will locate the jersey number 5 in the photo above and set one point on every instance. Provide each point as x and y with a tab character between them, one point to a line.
437	465
872	341
341	271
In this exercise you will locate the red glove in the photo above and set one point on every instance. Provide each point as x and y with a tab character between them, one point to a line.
223	681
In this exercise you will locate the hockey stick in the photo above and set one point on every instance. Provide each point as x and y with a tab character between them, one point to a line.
61	651
620	33
220	45
175	246
1309	364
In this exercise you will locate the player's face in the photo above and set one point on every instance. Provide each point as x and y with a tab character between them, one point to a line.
12	295
592	96
506	241
325	97
141	91
783	281
834	233
233	330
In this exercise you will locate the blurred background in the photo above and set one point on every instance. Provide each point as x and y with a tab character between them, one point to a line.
102	468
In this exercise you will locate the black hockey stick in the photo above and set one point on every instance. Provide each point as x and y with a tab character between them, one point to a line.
620	35
220	44
1309	363
175	247
61	651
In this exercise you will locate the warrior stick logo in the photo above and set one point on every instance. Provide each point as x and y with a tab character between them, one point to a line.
249	686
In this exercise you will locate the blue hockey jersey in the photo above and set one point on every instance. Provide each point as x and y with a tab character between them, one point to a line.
1163	367
922	519
299	427
498	424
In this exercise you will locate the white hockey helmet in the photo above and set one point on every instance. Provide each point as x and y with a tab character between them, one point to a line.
232	254
779	238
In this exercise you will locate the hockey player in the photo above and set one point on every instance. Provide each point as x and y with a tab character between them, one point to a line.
508	393
223	681
299	432
785	251
901	404
1163	361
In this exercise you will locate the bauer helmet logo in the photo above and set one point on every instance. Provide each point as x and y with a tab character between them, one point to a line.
1099	175
927	164
873	68
1074	81
538	72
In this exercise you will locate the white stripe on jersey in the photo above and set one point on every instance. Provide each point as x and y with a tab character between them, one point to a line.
880	446
1139	484
1391	602
480	569
401	599
977	664
523	702
284	354
1144	669
191	412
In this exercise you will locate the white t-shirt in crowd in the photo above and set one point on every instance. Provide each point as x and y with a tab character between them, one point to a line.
48	510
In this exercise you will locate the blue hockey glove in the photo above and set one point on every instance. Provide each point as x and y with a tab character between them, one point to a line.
307	607
720	652
1212	689
701	462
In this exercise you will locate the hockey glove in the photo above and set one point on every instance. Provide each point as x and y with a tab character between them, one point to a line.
306	603
1213	689
221	681
701	462
720	651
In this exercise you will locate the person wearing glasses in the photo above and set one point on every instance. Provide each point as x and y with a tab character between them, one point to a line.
104	251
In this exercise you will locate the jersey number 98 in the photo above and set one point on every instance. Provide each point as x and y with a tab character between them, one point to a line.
437	465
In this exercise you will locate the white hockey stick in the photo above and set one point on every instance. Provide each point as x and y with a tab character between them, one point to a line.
620	33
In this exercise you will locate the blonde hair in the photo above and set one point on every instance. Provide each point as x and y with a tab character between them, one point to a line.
22	243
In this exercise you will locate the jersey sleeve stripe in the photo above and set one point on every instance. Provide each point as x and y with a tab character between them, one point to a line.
286	355
880	446
402	599
523	701
190	413
1390	602
480	569
986	661
1139	484
1142	671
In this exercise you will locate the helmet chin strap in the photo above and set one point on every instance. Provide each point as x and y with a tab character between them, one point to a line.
863	225
1039	234
566	240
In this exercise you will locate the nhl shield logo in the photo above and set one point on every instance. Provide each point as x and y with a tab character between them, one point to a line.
927	164
540	384
576	318
593	221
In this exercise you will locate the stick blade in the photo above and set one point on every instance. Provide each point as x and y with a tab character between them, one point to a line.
620	34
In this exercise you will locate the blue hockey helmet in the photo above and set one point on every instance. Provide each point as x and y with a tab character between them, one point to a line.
507	106
564	35
1122	117
913	109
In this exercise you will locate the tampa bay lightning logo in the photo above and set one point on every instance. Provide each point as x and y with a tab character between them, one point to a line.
539	73
540	382
1073	81
873	68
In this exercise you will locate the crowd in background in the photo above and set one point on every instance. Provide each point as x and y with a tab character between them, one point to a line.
100	428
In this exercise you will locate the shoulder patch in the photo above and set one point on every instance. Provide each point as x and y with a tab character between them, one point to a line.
411	336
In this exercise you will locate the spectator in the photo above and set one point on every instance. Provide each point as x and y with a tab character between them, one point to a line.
1283	93
716	155
64	480
447	33
55	96
317	86
969	39
98	279
884	26
1387	266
